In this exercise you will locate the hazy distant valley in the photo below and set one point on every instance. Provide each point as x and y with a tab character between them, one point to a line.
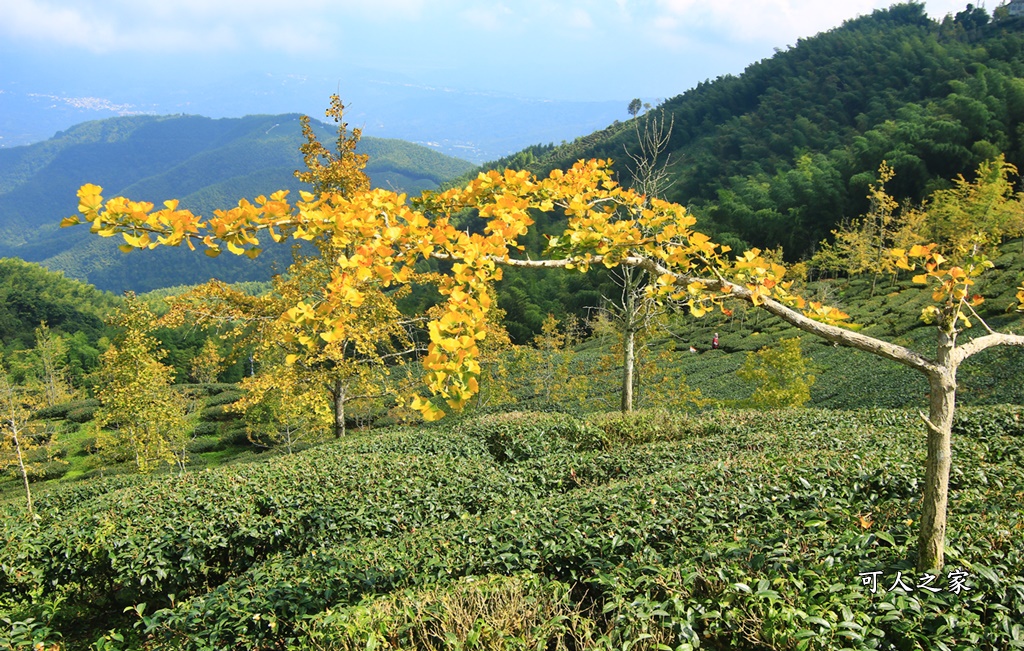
475	125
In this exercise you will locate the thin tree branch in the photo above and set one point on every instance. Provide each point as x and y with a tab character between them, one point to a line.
981	320
835	334
975	346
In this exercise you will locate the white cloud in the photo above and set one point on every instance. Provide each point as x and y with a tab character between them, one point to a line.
580	19
64	26
490	18
776	21
203	25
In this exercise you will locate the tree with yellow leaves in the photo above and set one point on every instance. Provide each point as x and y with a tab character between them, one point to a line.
862	245
282	411
16	436
207	363
974	217
141	418
383	237
347	363
779	375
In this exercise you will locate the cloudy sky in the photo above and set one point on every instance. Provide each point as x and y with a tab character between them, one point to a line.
560	49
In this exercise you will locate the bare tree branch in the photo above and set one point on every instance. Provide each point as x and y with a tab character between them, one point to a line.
975	346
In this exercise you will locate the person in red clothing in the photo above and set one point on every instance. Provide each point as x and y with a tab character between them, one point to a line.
714	342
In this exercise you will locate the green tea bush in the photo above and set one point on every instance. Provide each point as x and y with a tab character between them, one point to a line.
989	421
57	501
746	530
204	444
142	542
61	411
205	428
647	425
487	612
442	441
223	398
28	633
82	414
520	435
235	435
210	389
221	412
573	538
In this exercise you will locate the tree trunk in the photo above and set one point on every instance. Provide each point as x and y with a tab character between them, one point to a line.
338	395
24	471
931	542
628	362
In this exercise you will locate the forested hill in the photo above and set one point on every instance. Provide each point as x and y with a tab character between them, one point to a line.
204	162
781	153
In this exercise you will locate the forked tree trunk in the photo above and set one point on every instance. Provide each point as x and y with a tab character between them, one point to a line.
931	541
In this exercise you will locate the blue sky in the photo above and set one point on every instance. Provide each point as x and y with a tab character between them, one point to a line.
558	49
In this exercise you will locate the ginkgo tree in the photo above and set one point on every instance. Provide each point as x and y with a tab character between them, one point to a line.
16	436
330	367
140	418
383	236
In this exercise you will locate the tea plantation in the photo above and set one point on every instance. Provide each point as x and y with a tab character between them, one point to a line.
720	530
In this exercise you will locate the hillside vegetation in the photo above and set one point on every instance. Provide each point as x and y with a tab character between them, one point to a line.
207	164
527	530
394	475
719	528
781	154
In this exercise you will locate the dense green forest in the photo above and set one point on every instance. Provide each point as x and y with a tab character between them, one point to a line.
207	164
784	152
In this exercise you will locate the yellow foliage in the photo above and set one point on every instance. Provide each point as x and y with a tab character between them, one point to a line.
335	309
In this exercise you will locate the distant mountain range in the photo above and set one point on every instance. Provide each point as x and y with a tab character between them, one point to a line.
205	163
477	126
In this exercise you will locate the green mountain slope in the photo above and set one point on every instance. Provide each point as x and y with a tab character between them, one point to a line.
782	153
206	163
30	295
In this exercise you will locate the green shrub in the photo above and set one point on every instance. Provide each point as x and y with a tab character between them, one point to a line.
62	410
643	426
759	550
648	425
235	435
524	611
446	440
206	444
740	529
205	428
521	435
209	389
82	414
219	413
223	398
27	633
989	421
